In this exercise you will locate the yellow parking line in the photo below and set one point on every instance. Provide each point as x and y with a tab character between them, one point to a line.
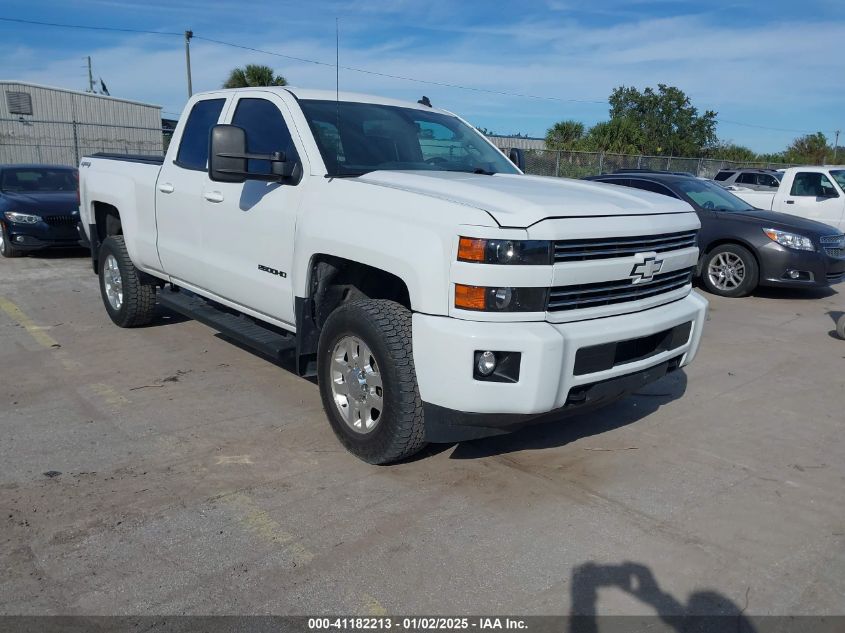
263	525
35	331
372	606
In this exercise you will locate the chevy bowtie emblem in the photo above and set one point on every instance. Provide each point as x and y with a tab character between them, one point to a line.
646	270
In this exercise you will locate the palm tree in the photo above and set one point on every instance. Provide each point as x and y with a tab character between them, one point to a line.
253	75
564	134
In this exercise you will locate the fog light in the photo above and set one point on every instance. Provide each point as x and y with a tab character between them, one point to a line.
20	238
486	364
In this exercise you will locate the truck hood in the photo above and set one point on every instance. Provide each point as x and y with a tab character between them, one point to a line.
519	201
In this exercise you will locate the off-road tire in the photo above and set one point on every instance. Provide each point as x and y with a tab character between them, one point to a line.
139	298
751	274
6	248
384	326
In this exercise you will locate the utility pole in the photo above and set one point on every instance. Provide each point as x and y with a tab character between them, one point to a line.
836	147
90	76
188	36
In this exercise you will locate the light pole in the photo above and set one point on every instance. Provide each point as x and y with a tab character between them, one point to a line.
188	36
836	147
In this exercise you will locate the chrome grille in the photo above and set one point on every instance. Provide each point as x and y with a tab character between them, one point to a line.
608	292
61	220
605	248
833	245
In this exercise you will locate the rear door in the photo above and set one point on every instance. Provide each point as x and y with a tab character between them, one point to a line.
811	194
178	193
248	228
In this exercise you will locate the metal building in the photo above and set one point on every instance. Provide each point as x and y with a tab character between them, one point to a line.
40	124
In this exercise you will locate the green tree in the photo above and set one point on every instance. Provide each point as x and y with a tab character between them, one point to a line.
564	134
254	75
668	123
618	136
810	149
731	151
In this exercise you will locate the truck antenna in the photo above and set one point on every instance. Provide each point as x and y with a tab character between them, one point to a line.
337	78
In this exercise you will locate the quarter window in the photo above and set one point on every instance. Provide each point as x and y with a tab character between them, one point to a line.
654	187
193	148
723	175
266	132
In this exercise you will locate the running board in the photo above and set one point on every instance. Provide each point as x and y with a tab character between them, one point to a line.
239	328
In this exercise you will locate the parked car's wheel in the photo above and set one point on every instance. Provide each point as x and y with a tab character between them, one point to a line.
128	301
6	248
368	385
730	270
840	327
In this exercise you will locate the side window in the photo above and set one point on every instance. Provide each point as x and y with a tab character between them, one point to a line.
266	131
768	181
654	187
193	148
748	179
723	175
813	185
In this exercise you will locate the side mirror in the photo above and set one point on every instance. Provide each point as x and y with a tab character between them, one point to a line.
227	154
228	159
517	157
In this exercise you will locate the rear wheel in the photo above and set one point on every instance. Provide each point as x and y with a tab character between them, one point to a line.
6	248
367	380
730	270
128	300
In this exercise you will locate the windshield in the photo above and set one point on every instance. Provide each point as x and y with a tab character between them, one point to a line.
711	196
29	180
839	177
356	138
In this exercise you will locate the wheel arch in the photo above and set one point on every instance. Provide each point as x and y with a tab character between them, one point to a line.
722	241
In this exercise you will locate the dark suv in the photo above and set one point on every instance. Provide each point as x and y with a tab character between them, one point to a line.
743	247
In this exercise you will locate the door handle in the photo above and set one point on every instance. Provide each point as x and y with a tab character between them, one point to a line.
790	202
166	187
213	196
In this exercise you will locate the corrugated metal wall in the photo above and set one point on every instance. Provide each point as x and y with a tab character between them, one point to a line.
65	125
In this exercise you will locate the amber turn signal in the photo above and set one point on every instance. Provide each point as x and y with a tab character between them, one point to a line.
470	297
471	249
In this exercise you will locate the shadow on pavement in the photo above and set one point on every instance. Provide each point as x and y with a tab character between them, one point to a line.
563	429
704	611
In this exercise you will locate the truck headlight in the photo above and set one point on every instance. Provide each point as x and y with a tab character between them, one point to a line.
482	251
790	240
500	299
22	218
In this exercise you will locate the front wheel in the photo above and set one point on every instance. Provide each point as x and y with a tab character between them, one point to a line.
129	302
730	270
367	380
6	248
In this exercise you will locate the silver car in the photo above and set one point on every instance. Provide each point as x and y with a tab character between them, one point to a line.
757	179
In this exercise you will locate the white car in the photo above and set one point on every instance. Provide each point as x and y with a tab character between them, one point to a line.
817	193
437	292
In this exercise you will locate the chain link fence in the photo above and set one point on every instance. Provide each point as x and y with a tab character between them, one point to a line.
65	142
566	164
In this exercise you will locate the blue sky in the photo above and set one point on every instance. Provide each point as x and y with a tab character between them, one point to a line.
772	64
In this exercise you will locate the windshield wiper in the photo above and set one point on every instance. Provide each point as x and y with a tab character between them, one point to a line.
481	170
347	175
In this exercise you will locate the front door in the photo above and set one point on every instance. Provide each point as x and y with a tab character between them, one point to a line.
814	196
248	228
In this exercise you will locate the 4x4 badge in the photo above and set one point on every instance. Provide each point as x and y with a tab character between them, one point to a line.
646	270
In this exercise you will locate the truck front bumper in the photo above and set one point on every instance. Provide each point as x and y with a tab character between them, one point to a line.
552	375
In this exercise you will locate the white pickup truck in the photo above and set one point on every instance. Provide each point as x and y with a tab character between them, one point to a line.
437	293
816	193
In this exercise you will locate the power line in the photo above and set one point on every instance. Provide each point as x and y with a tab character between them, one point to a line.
90	28
403	78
